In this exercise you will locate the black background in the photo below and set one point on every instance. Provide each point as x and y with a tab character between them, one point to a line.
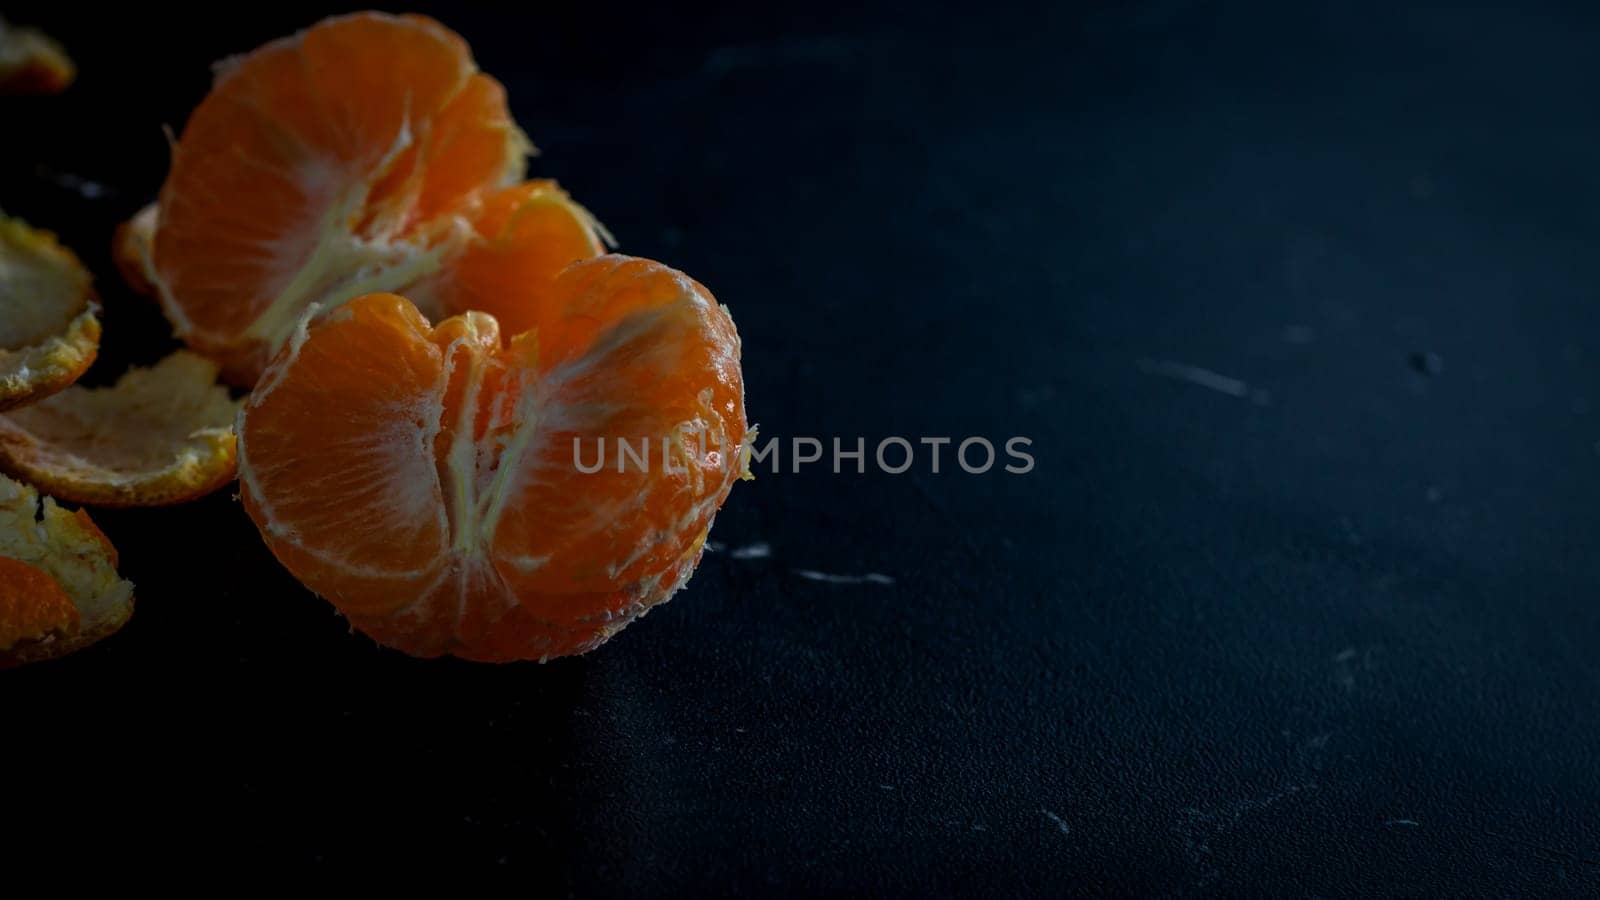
1334	637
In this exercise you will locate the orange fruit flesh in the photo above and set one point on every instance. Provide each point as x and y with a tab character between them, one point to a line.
423	479
32	605
523	236
348	159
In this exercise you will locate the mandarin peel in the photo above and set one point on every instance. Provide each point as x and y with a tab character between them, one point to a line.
48	555
32	62
49	329
33	607
159	436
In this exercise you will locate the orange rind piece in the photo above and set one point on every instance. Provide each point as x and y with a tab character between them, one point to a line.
159	436
32	62
130	249
424	479
362	155
59	588
49	332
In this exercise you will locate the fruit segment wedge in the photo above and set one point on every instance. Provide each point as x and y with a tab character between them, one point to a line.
351	158
159	436
424	478
521	237
59	589
49	333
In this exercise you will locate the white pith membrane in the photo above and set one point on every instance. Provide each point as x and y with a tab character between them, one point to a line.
342	244
48	329
47	537
157	435
461	488
331	261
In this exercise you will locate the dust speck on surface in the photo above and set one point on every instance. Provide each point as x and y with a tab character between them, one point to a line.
1427	362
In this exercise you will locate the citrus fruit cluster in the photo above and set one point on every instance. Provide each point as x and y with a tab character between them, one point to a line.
346	233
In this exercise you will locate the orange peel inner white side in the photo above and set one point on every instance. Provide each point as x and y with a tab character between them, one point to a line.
48	330
31	62
39	538
158	436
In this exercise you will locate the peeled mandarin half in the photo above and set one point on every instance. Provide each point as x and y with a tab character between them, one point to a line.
48	330
362	155
31	62
158	436
427	480
59	589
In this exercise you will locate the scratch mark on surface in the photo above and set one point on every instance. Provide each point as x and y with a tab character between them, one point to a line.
758	550
1200	827
1222	384
1061	824
826	578
715	547
1412	823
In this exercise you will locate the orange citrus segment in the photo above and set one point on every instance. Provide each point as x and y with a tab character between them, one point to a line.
48	330
158	436
47	556
467	149
523	236
343	160
31	62
359	490
424	480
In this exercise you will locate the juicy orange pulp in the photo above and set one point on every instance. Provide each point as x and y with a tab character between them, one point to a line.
365	154
424	478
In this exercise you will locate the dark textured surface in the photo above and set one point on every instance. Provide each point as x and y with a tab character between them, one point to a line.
1335	636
